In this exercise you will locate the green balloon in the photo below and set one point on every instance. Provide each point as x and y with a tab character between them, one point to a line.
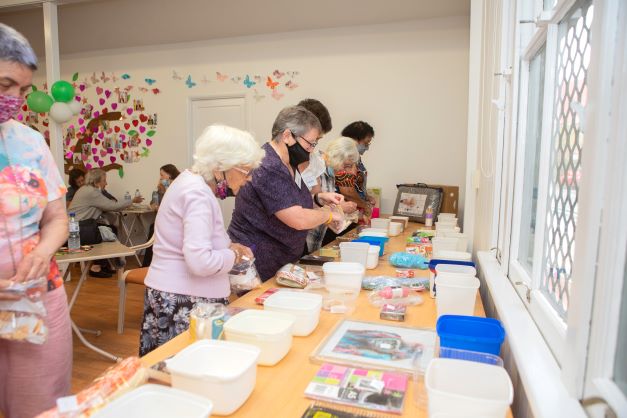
62	91
39	102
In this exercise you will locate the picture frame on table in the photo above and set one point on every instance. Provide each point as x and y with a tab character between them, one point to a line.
377	345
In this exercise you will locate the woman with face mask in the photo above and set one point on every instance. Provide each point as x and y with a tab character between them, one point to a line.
192	252
167	174
274	212
33	225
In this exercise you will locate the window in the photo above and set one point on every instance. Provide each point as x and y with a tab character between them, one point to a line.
620	359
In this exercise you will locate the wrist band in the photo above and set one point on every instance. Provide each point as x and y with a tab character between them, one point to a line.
330	218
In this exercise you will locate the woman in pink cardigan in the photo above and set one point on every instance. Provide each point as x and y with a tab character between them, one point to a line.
192	252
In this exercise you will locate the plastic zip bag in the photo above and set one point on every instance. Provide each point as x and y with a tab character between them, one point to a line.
244	276
24	319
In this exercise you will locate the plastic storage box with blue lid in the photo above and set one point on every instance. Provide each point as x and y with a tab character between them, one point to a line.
471	333
379	241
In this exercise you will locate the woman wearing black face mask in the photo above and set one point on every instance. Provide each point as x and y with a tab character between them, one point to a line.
274	211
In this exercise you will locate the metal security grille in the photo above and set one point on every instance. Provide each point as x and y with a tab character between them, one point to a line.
571	92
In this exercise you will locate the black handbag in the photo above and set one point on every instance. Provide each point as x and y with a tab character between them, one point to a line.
413	200
89	232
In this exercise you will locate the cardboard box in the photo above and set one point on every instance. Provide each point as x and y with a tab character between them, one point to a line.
450	198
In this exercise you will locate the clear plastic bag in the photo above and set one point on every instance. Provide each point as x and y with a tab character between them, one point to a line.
244	276
24	319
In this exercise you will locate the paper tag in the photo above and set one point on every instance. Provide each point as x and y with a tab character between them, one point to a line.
67	404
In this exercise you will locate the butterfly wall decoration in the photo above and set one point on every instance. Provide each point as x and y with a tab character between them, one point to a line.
271	83
175	76
125	76
189	82
150	81
220	76
248	82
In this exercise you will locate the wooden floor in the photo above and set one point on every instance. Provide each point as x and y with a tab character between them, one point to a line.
97	307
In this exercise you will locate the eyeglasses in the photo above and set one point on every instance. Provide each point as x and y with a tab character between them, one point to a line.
311	144
246	173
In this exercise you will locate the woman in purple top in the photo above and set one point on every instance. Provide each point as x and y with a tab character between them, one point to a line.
192	252
274	211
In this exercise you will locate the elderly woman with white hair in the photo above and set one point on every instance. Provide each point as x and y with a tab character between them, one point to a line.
340	155
192	252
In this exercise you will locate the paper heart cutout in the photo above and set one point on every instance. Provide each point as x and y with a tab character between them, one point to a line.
84	157
82	129
112	159
142	129
114	106
101	135
129	110
122	156
143	118
122	136
88	166
20	117
96	158
135	122
116	129
81	121
89	139
105	110
94	150
109	150
101	101
96	114
124	145
99	90
110	130
127	126
97	141
69	155
149	142
103	152
107	93
46	123
81	87
100	163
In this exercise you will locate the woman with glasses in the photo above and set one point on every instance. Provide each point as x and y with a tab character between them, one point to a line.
275	210
340	156
192	252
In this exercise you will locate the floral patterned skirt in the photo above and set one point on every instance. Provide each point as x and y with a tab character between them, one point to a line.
166	315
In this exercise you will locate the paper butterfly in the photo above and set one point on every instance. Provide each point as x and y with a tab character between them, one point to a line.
205	80
189	82
150	81
220	76
104	78
272	84
143	89
94	79
248	82
45	87
175	76
113	77
236	79
125	76
257	78
278	74
293	74
156	91
291	85
258	97
276	95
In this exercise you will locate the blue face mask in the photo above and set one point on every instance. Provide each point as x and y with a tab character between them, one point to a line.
361	148
165	182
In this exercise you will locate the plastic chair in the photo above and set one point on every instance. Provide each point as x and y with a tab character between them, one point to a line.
132	276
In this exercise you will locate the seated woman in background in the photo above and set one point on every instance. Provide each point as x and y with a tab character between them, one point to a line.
340	155
76	178
167	174
192	252
275	210
90	203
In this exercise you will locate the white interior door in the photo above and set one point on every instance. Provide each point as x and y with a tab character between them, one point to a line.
225	110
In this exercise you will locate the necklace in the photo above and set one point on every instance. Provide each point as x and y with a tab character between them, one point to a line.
4	215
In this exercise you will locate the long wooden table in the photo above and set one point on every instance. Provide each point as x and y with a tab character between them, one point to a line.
279	391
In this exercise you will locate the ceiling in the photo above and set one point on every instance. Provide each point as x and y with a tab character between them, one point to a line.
88	25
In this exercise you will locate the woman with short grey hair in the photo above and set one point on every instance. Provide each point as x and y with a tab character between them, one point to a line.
274	211
33	374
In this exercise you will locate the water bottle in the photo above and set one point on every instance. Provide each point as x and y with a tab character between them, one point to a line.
155	198
74	239
138	193
127	197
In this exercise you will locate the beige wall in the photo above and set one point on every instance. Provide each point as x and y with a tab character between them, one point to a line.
409	80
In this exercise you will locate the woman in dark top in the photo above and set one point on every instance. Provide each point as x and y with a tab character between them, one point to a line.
76	180
274	211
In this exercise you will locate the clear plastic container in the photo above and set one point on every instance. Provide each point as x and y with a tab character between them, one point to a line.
342	276
456	295
354	252
373	257
467	355
303	305
395	229
380	223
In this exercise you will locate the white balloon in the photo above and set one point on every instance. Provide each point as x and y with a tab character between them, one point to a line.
75	107
61	112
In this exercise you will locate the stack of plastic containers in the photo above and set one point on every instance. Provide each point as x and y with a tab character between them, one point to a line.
343	282
437	261
378	241
471	333
354	252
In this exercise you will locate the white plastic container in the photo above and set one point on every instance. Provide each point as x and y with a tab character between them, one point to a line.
373	232
222	371
395	229
342	277
449	269
452	255
304	306
373	256
458	388
270	331
444	244
381	223
456	295
405	220
157	401
354	252
443	216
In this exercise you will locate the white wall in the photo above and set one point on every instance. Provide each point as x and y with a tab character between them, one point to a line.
408	80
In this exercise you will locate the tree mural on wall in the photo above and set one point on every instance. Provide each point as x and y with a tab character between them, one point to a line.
111	129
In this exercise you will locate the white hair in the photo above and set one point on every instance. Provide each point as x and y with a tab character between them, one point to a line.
340	151
220	148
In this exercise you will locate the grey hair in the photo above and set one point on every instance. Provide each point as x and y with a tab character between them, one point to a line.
15	48
220	148
341	150
296	119
94	176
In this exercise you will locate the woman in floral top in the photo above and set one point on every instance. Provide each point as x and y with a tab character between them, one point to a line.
33	226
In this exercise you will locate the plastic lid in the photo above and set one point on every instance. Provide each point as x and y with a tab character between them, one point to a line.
343	267
214	360
470	328
260	323
435	261
297	301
